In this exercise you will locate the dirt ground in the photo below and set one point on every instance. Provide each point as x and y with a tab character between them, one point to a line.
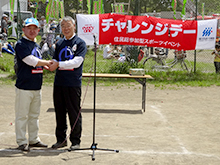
180	127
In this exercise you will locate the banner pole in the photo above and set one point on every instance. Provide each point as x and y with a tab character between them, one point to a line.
91	6
77	6
195	50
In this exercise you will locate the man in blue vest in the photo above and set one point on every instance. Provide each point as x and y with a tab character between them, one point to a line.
69	56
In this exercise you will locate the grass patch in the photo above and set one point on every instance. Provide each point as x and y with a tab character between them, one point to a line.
7	63
182	78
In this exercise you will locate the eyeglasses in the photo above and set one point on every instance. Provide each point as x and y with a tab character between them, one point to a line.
66	26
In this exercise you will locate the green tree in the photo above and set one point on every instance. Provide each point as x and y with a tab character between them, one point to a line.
146	6
211	6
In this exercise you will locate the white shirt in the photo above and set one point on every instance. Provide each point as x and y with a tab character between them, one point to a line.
106	52
42	22
30	60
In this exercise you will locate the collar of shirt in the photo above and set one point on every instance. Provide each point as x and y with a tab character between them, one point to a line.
35	40
71	37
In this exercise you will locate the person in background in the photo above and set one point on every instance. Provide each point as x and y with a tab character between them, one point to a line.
108	52
217	58
57	39
68	61
50	39
15	21
42	24
28	86
1	39
5	47
4	24
58	29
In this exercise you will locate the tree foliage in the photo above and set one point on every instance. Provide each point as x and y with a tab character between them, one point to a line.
145	6
211	6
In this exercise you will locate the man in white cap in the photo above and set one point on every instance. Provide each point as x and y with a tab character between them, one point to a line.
28	86
42	24
4	24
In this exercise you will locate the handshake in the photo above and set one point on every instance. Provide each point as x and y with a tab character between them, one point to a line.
50	65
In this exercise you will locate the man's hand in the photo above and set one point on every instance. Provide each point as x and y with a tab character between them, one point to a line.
48	64
54	65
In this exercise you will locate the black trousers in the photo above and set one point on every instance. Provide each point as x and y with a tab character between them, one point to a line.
67	101
217	67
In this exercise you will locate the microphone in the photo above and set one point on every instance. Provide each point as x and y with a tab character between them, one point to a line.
95	36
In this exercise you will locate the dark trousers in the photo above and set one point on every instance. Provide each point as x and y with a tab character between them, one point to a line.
67	100
217	67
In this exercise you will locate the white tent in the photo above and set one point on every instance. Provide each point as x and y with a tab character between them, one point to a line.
3	3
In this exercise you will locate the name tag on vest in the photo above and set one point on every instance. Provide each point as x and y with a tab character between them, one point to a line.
35	71
66	69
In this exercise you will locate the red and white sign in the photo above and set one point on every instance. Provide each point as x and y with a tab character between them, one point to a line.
147	31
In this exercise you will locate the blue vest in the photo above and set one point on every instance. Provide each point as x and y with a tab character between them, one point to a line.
67	50
28	77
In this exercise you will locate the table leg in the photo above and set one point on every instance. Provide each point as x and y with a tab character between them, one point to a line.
144	94
143	83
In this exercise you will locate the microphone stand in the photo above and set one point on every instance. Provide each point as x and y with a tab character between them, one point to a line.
94	144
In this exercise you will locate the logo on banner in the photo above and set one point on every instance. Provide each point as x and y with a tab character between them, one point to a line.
207	31
207	34
88	28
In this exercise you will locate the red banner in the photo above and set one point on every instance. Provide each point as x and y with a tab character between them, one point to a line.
147	31
150	31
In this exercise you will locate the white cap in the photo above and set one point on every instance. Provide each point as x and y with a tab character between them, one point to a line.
4	15
31	21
